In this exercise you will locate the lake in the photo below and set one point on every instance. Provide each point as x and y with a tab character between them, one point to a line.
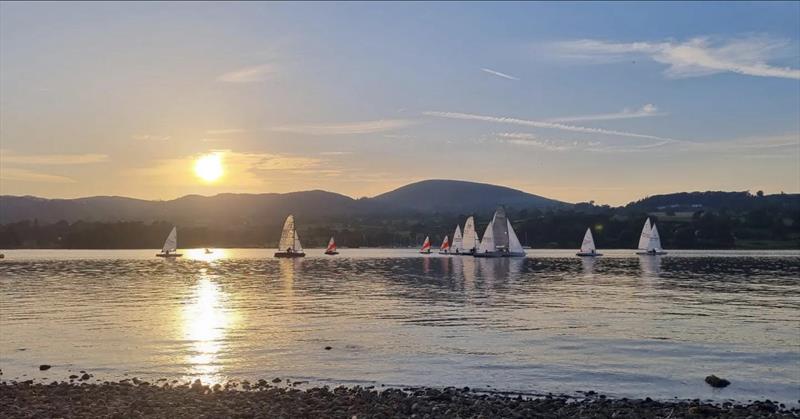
621	325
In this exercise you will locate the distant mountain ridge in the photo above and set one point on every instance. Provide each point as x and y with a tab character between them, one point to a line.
425	197
445	196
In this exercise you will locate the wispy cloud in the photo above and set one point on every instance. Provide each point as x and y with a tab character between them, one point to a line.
645	111
335	153
532	140
225	131
499	74
347	128
699	56
151	137
7	173
51	159
541	124
250	74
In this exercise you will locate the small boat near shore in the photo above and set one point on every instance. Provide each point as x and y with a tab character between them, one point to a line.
426	246
289	245
500	240
331	249
650	241
588	249
169	250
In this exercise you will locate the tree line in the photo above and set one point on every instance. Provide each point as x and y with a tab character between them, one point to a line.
770	227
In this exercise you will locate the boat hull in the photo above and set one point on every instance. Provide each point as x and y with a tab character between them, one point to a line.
487	255
289	255
651	253
588	254
170	255
331	253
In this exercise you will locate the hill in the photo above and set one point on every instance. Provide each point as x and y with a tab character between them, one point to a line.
453	196
445	196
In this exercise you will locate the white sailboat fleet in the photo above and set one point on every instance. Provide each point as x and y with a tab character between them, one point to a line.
499	240
289	245
650	241
170	248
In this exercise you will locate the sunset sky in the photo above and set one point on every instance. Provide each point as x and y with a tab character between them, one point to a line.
577	102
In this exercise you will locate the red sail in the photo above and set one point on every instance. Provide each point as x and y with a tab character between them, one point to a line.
426	245
445	244
331	245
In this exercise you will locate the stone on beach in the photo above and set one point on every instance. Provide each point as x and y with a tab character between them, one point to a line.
717	382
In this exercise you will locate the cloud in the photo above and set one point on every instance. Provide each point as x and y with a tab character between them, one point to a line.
225	131
499	74
335	153
250	74
151	137
347	128
644	111
7	173
700	56
541	124
52	159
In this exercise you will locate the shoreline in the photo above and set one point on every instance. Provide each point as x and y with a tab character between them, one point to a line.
136	398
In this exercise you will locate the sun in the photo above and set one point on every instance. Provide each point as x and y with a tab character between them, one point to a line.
209	167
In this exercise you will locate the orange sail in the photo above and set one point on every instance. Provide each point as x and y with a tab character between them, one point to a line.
426	246
331	246
445	244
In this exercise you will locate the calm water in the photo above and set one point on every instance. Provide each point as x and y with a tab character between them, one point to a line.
621	325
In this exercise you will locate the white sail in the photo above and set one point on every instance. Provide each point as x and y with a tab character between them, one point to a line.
487	243
654	243
458	241
297	246
171	244
500	229
289	239
588	242
470	240
644	238
514	246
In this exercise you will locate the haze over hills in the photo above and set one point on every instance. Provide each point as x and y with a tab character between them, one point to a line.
448	196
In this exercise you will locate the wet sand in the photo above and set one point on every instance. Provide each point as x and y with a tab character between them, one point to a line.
133	399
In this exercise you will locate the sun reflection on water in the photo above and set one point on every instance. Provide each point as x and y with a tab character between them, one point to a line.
206	323
210	256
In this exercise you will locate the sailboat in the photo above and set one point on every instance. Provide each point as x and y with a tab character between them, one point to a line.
426	246
470	241
500	240
458	241
289	245
445	247
650	241
331	249
587	246
170	245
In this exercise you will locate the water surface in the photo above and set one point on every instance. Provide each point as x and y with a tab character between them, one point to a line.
621	325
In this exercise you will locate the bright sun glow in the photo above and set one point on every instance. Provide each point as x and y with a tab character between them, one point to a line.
209	167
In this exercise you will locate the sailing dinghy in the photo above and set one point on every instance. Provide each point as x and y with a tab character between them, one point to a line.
170	245
587	247
458	242
426	246
445	247
331	249
650	241
289	245
470	241
500	240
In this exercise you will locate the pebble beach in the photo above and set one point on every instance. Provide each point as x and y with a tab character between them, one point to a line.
139	399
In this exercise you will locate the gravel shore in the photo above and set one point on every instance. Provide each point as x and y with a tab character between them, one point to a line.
262	400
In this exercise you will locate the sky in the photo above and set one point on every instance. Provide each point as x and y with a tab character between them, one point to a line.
604	102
